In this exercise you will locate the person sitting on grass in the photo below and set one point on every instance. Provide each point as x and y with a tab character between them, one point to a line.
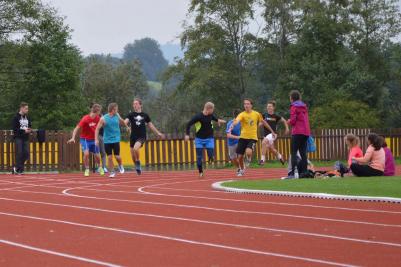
373	162
389	165
354	149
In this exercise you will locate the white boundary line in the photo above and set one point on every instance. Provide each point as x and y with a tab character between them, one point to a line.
181	240
64	255
242	226
219	186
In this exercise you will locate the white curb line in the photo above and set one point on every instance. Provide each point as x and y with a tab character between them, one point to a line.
219	186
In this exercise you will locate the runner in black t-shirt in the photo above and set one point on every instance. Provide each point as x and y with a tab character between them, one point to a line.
138	121
268	142
204	134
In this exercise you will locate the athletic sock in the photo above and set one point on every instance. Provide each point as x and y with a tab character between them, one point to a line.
137	164
263	158
279	156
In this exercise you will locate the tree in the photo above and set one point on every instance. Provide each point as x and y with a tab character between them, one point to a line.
147	51
217	46
344	114
105	82
46	67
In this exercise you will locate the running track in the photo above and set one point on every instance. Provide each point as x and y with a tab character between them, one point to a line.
176	219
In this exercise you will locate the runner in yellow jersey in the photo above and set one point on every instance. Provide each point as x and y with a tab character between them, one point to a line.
249	120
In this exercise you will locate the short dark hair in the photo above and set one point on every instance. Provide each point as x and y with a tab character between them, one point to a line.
272	102
236	112
248	99
23	104
375	141
295	95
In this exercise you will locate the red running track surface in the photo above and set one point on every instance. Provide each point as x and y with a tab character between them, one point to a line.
176	219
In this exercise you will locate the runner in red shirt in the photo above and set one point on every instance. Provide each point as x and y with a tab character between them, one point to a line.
88	126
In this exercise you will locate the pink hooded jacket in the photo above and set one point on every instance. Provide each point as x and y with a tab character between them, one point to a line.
299	118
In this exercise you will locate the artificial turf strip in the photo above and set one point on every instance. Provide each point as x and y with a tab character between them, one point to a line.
352	186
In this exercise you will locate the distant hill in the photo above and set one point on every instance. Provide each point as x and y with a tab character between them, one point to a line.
170	51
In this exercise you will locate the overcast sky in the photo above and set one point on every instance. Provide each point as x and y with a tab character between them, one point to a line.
106	26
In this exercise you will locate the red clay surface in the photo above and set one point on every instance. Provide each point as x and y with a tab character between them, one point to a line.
176	219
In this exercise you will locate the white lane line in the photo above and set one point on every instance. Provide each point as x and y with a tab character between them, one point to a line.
260	228
181	240
240	201
236	211
66	193
64	255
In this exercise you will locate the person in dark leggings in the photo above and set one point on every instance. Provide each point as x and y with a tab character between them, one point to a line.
300	132
204	134
22	129
373	162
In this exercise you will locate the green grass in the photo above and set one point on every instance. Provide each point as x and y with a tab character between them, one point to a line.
356	186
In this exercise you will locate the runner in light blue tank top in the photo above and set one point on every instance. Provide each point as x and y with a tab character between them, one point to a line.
112	136
112	133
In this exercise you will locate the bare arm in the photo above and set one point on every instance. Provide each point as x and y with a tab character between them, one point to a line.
74	133
231	136
155	130
99	126
287	128
123	122
268	127
367	157
220	122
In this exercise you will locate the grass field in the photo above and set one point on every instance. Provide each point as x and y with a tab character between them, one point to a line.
356	186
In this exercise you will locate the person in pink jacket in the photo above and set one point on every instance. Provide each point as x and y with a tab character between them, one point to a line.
300	132
373	162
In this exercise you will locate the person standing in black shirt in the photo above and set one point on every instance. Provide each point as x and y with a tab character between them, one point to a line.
204	134
21	125
268	141
138	121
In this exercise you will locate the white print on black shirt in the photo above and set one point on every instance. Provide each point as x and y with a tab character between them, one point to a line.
24	123
138	120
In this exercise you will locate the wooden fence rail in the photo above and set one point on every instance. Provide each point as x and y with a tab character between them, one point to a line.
56	155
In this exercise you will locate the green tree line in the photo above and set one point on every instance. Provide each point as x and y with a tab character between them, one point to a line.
344	56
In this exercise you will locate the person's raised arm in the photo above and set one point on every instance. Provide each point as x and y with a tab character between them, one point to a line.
99	126
220	122
124	122
74	133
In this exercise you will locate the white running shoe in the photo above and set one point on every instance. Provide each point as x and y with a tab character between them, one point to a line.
105	170
112	175
121	169
240	173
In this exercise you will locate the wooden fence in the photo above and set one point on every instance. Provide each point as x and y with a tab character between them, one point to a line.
56	155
